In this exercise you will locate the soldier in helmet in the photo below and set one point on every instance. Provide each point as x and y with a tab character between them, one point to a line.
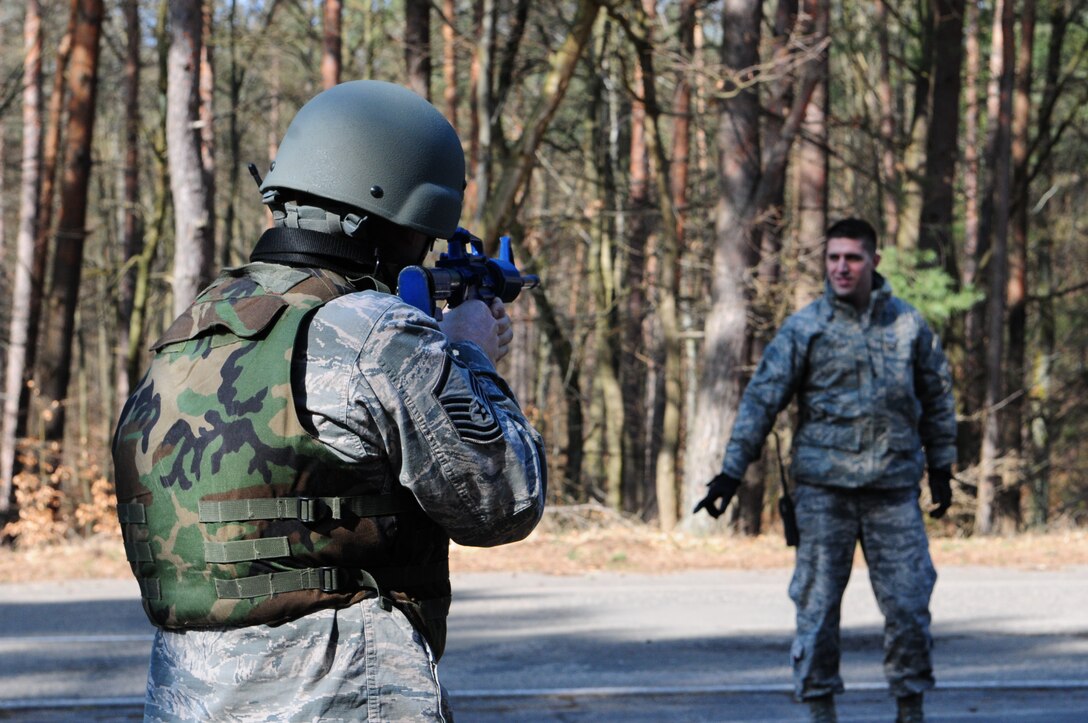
304	445
875	409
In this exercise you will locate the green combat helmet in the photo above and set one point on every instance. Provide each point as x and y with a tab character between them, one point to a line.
377	147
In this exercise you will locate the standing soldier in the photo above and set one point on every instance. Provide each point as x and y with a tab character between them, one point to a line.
873	391
304	445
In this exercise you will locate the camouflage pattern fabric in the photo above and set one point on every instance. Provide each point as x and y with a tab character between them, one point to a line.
382	389
875	406
383	383
873	390
232	512
889	525
358	663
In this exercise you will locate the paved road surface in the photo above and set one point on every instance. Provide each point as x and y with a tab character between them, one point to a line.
1011	645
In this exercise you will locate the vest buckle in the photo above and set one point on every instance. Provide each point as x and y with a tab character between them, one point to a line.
308	509
329	579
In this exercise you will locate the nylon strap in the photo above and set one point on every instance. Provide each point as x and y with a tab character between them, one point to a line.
136	551
149	588
131	513
326	579
283	245
263	548
306	509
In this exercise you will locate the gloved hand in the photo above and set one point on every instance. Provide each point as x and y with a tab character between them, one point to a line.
940	490
719	491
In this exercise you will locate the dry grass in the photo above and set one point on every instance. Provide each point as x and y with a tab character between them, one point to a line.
577	540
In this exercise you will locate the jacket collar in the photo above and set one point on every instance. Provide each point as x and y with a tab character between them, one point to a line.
881	292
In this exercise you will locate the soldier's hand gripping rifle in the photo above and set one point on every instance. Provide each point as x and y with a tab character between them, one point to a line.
463	273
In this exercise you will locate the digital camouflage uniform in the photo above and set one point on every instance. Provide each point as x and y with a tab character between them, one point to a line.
875	407
283	389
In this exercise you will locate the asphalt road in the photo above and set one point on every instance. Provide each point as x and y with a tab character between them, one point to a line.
1010	645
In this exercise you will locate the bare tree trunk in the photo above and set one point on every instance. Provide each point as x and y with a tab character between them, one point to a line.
1041	403
746	515
604	435
29	405
417	45
235	77
812	174
449	60
156	229
913	161
972	376
194	243
889	187
206	113
726	321
1043	422
990	482
15	366
1018	248
131	220
669	252
332	40
942	140
633	367
56	357
747	190
482	109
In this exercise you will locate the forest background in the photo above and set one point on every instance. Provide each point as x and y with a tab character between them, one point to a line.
667	169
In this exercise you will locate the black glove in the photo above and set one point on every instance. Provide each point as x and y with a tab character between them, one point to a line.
940	490
719	491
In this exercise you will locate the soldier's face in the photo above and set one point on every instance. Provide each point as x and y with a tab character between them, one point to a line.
850	269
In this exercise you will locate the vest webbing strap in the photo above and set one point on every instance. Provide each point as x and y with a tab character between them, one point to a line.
149	588
325	579
241	550
131	513
136	551
306	509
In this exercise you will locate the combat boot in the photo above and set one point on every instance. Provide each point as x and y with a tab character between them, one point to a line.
909	709
822	709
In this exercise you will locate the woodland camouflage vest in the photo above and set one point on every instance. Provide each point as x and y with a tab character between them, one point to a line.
232	513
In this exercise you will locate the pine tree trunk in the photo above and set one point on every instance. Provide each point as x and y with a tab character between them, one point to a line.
449	60
332	41
889	171
971	386
942	141
1018	245
988	518
131	227
812	175
55	361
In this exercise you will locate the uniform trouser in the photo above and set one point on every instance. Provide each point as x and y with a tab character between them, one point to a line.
354	664
889	525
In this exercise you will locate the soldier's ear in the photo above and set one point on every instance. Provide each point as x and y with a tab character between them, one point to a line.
876	259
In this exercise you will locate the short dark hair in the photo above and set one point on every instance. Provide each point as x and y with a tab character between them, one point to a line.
855	228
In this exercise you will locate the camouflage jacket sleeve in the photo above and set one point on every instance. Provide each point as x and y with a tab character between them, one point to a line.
385	386
933	386
770	390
